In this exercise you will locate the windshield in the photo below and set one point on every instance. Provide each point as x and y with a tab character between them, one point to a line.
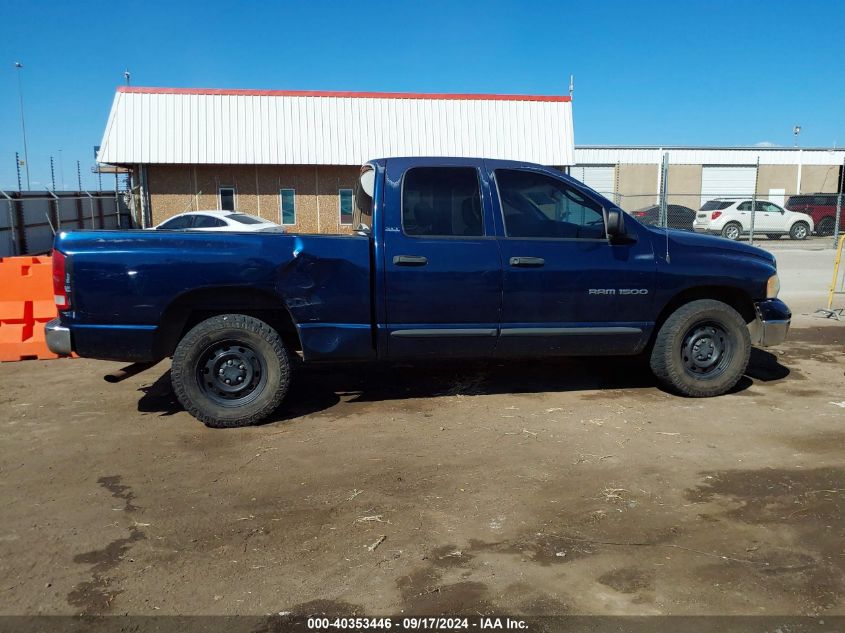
243	218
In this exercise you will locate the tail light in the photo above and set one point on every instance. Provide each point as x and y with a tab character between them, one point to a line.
715	215
639	214
61	283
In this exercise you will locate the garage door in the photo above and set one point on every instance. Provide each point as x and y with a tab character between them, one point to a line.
602	178
727	182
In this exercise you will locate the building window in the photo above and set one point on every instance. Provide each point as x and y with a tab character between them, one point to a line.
287	204
345	206
227	198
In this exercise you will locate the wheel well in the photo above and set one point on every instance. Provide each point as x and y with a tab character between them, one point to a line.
195	306
734	297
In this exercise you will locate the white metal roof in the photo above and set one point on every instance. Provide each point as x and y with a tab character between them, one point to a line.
166	125
606	155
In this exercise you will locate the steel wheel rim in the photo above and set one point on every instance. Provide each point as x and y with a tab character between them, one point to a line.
800	231
231	373
706	350
732	232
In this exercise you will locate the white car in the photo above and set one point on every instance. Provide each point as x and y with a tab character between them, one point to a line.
218	221
731	218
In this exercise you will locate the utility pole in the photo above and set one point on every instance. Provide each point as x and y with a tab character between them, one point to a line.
52	173
19	66
78	176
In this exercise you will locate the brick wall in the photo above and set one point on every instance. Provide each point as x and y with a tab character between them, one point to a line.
178	188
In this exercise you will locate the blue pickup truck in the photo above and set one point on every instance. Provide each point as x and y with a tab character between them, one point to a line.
451	258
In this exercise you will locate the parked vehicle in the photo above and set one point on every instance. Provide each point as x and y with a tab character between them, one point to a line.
822	208
677	216
218	221
731	218
452	258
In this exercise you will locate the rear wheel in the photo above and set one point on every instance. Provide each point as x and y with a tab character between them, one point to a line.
230	370
732	230
799	231
702	349
825	227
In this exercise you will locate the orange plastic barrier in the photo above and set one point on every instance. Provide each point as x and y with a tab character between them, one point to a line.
26	304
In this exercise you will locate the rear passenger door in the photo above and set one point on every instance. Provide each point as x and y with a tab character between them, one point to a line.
443	274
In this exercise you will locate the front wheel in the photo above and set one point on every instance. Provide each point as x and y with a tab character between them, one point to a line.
702	349
799	231
230	370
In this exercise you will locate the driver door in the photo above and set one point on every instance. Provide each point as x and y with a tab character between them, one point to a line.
567	288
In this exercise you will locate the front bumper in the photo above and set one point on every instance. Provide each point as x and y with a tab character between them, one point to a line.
58	338
772	323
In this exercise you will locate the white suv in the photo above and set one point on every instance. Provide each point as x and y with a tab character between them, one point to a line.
731	218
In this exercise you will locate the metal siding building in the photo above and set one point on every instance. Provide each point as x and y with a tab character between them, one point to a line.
193	149
631	174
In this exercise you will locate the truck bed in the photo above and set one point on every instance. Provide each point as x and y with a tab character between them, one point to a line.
129	286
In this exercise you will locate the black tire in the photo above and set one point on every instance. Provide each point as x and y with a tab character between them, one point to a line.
825	227
732	231
799	231
231	370
702	349
774	236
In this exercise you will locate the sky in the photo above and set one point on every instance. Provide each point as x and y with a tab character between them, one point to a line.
683	72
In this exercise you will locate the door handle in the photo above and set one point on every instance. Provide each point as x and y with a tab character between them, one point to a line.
527	262
410	260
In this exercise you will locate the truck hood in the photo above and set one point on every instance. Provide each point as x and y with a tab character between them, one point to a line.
688	239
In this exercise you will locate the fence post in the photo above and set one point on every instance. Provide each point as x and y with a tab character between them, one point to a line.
837	221
91	208
15	249
754	201
664	176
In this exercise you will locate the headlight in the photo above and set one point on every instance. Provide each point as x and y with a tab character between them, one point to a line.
772	287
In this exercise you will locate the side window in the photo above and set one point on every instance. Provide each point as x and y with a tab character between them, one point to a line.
441	201
771	207
227	198
181	222
207	222
745	206
537	205
345	206
287	204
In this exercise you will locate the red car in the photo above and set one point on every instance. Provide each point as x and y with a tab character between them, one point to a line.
822	208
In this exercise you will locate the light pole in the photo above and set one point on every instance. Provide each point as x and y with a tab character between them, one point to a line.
795	132
19	66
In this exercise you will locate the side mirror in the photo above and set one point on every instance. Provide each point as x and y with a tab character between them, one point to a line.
615	223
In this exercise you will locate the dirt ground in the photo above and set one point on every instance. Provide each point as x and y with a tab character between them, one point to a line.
572	487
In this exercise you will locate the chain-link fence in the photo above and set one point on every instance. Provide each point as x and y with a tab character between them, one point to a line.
31	219
736	211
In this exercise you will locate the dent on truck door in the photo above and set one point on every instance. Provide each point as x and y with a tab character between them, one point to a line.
443	278
567	289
